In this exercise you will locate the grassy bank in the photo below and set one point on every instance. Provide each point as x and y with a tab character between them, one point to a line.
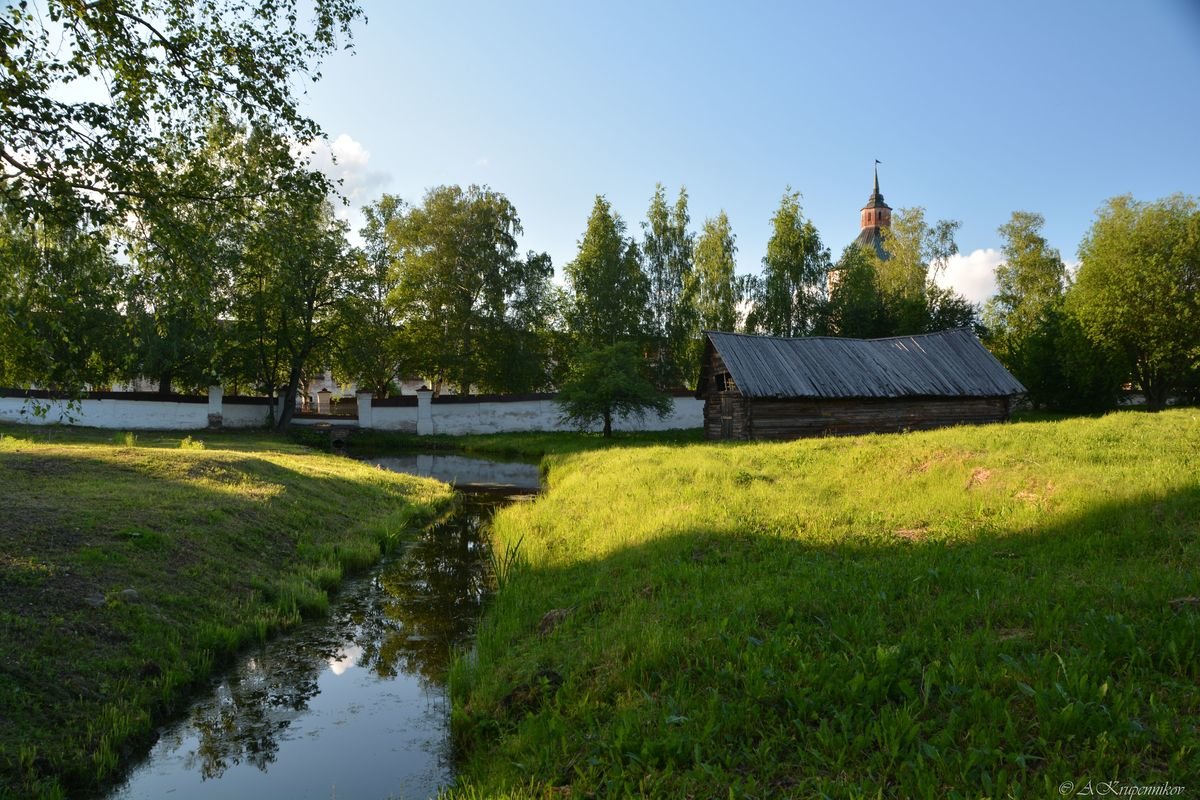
131	566
528	445
969	612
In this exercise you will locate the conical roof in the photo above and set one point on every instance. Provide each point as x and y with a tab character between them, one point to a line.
876	199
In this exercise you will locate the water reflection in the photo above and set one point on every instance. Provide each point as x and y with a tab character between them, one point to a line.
467	472
432	598
354	705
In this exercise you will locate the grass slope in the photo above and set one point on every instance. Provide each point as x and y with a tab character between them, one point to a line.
127	573
967	612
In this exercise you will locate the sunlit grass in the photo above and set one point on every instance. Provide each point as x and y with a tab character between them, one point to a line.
972	611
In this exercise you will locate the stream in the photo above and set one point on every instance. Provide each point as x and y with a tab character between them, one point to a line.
353	705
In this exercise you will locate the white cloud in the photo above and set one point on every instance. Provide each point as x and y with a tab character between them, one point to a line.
346	160
974	275
482	161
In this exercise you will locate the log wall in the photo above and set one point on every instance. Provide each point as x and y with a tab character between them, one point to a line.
791	419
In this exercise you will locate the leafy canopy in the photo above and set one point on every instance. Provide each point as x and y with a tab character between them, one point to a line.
608	288
1138	289
667	254
91	89
462	293
789	299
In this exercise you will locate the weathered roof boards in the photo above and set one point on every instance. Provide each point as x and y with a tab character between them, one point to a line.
773	387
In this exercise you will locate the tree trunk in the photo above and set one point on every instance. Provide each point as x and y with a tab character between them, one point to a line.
607	423
289	399
1153	387
164	383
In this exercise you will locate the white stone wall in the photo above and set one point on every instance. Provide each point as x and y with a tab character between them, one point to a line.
545	415
117	414
394	418
444	418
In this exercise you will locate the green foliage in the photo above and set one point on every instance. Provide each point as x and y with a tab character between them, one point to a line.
899	295
608	383
789	299
1138	289
60	294
717	291
188	443
907	280
1030	281
296	271
856	308
168	65
990	611
186	241
667	254
1033	336
607	287
462	294
1063	369
369	347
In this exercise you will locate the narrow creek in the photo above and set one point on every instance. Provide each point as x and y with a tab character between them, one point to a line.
353	705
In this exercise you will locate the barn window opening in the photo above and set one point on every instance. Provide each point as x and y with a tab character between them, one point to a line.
722	382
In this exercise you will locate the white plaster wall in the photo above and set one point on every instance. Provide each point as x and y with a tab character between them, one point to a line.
115	414
394	418
448	418
243	415
545	415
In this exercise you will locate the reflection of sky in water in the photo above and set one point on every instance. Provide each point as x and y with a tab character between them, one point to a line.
345	659
351	707
466	471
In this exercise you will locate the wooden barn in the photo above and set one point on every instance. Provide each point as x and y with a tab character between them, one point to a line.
769	387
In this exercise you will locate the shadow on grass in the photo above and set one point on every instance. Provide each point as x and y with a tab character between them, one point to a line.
720	662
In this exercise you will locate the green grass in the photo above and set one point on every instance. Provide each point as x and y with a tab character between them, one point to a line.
968	612
515	445
132	566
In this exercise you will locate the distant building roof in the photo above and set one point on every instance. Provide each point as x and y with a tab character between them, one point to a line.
872	239
950	363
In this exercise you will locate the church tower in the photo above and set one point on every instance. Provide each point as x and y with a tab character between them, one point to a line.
876	215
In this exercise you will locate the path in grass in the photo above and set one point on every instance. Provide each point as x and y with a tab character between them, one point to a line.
128	573
992	610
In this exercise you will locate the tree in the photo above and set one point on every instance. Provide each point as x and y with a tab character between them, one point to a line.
528	344
60	294
607	287
790	296
167	66
856	308
607	383
667	250
1029	282
184	246
716	292
918	253
459	284
369	349
1138	289
286	294
1030	332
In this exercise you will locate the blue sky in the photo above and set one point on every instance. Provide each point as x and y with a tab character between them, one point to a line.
975	109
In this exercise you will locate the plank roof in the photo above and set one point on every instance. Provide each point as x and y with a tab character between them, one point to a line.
950	363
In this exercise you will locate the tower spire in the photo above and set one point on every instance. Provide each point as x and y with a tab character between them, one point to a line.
877	163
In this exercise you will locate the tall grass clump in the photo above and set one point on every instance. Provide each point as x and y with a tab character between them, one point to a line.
985	611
